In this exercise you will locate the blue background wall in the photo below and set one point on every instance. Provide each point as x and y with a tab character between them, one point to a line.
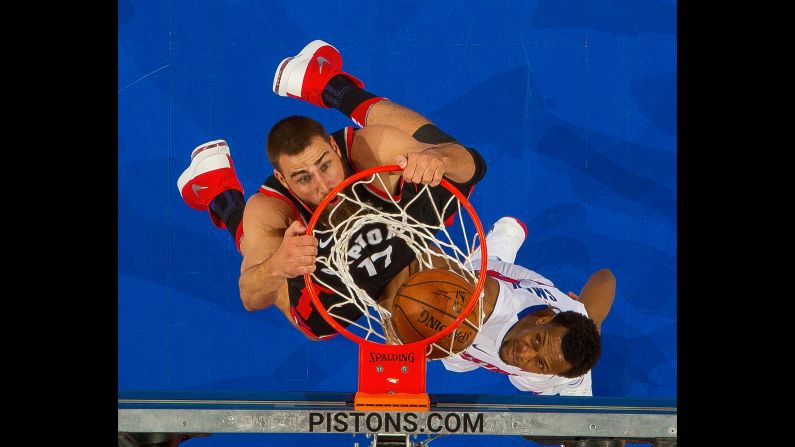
572	104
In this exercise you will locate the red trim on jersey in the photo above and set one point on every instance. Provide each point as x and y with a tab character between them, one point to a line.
375	190
238	235
300	201
349	143
280	196
501	277
305	328
450	221
484	364
304	308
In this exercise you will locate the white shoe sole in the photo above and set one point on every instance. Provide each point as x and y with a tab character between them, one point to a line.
284	81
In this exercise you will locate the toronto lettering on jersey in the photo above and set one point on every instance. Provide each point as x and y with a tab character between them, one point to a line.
371	264
397	357
371	237
403	422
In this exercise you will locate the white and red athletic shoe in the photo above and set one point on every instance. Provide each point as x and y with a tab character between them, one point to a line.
304	75
504	239
210	173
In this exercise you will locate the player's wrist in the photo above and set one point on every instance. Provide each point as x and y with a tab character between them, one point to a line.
274	270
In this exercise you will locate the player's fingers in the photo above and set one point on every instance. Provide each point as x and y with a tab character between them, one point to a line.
401	161
428	173
573	295
305	250
409	172
305	241
306	260
437	176
296	228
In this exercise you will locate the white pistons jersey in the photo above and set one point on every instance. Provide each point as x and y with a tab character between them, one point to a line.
521	291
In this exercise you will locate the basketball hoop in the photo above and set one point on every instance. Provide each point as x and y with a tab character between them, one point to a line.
392	375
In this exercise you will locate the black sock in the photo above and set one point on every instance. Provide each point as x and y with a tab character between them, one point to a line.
229	206
342	94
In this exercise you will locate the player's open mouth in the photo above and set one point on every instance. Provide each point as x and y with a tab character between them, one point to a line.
335	201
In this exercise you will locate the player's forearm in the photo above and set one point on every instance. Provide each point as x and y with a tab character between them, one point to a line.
459	164
598	294
259	285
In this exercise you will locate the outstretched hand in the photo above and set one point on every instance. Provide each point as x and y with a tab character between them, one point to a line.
573	296
425	167
296	255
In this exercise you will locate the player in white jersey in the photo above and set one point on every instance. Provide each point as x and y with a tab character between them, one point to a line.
545	340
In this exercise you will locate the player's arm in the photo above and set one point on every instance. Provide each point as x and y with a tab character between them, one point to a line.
597	295
274	248
378	145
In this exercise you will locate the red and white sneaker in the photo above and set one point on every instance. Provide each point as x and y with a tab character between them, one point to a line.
504	239
304	75
210	173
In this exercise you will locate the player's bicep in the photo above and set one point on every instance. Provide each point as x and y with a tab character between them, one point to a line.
597	295
379	145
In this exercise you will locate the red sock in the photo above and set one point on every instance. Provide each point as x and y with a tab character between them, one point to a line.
238	236
359	113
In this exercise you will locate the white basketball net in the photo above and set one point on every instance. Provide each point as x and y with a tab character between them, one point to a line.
433	246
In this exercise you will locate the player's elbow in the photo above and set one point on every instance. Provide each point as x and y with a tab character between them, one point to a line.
247	307
250	299
245	298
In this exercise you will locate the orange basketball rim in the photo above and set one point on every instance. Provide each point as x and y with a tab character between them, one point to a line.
392	376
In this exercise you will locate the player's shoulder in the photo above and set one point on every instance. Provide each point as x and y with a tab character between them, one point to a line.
268	209
552	385
344	131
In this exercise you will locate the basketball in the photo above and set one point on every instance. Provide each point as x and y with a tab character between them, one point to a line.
427	303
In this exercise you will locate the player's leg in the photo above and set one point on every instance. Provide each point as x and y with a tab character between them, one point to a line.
504	239
210	183
315	75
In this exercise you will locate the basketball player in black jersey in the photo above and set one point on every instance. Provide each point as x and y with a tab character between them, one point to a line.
307	164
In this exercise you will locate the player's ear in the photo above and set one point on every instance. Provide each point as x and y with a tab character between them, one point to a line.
280	178
544	316
334	146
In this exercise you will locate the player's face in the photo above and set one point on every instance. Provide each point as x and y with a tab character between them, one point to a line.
311	174
534	345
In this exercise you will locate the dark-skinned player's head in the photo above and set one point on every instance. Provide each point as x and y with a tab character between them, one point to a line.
581	345
565	344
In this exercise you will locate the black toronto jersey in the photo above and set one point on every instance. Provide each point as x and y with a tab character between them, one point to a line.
375	253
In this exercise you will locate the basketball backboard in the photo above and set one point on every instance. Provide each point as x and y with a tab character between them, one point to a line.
544	418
